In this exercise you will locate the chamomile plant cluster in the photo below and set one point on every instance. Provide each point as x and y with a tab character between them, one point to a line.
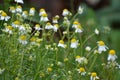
52	50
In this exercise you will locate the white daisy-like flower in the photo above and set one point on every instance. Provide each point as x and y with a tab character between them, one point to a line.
81	60
16	24
80	10
65	12
44	18
23	39
55	19
22	29
25	14
12	9
42	11
78	29
75	24
101	46
97	31
88	48
61	44
19	1
19	9
48	25
8	29
74	43
4	16
55	27
32	11
112	55
33	40
37	27
94	76
81	70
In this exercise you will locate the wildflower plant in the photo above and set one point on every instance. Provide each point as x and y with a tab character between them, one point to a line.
33	51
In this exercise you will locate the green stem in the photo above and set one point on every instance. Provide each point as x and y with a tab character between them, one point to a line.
87	39
93	62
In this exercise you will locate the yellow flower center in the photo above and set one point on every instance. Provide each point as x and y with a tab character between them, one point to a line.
73	40
25	12
94	74
17	22
32	39
79	26
56	25
66	59
44	15
112	52
37	25
49	69
77	57
76	22
19	7
61	41
23	37
48	24
101	43
41	10
4	14
9	27
12	8
42	75
32	8
82	69
65	10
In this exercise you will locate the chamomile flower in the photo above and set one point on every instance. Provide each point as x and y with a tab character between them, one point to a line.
44	18
88	48
19	1
78	29
75	24
32	11
23	39
97	31
48	26
25	14
94	76
42	11
112	55
80	10
9	29
16	24
65	12
61	44
55	19
22	29
33	40
81	60
81	70
55	27
12	9
74	43
37	27
19	9
101	46
78	59
4	16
